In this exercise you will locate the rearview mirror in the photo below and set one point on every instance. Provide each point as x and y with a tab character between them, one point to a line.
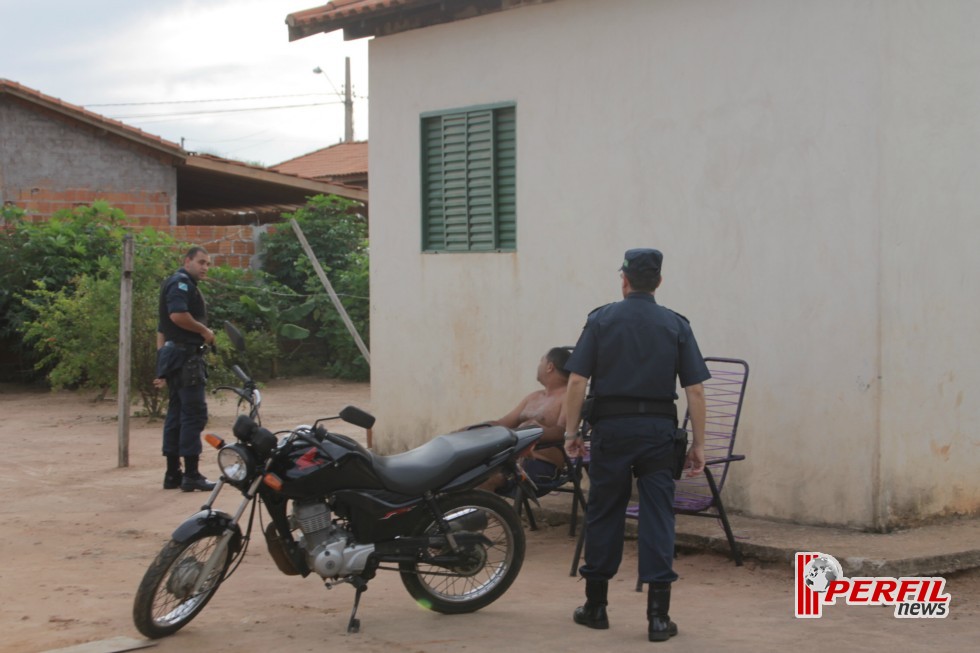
236	337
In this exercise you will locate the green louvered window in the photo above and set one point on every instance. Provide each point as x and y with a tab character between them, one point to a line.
469	180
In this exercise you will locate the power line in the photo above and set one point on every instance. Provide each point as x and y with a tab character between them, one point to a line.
214	111
230	99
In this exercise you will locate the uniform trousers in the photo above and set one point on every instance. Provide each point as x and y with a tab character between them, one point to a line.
618	443
187	415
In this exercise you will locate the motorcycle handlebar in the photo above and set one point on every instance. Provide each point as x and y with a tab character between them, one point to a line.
238	391
240	374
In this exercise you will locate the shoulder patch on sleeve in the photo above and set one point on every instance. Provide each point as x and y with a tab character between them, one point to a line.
680	316
182	286
597	308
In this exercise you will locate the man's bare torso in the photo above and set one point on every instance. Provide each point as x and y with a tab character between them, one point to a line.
542	409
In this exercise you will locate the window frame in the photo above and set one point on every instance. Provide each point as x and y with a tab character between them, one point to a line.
468	181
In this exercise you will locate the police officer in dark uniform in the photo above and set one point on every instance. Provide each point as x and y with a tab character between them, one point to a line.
182	335
634	351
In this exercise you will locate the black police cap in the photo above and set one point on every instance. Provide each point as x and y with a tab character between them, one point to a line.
642	261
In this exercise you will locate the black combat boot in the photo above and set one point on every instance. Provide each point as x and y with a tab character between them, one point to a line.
193	479
660	628
593	613
174	475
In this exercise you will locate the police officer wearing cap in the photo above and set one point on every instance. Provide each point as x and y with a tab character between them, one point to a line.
634	351
182	334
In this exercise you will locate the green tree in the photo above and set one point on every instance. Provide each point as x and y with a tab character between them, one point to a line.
261	308
337	233
335	229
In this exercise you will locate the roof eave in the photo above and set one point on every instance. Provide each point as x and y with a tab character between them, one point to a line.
269	176
387	19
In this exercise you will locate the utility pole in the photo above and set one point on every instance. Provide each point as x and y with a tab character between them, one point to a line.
348	105
125	347
348	99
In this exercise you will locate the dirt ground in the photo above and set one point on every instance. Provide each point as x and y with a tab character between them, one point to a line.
77	533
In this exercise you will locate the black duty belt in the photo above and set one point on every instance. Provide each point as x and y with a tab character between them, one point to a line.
188	347
622	406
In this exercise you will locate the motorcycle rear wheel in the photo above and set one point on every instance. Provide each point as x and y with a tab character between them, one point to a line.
491	569
165	602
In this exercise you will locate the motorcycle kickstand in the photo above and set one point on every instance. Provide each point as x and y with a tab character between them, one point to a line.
354	625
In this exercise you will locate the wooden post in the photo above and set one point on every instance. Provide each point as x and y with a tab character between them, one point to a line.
125	347
330	291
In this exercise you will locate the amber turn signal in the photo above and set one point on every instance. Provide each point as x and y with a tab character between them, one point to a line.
273	481
214	440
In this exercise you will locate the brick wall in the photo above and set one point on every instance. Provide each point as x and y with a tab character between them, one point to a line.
147	208
228	245
232	245
49	163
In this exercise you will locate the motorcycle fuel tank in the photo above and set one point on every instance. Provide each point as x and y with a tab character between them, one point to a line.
308	471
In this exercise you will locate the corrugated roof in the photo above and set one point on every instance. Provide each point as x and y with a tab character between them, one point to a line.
340	160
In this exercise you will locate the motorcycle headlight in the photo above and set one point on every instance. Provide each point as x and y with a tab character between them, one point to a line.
236	463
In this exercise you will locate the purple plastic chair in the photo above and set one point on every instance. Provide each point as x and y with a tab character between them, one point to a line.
700	496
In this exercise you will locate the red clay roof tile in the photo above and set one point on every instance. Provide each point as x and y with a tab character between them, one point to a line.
338	13
335	161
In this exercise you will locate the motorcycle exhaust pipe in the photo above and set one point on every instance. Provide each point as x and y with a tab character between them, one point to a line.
474	521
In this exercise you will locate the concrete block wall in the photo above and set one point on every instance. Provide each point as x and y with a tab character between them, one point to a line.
48	164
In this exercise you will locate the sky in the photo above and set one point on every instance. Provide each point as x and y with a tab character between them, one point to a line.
212	75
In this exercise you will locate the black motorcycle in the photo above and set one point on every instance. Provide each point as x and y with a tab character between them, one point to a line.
340	511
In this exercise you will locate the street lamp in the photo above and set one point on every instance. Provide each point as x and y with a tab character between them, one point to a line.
348	100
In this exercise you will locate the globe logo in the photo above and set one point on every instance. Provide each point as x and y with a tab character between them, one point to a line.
820	571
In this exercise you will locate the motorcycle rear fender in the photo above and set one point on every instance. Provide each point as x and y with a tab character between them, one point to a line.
208	522
470	479
473	477
527	437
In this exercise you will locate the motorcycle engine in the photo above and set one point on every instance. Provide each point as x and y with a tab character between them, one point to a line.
330	550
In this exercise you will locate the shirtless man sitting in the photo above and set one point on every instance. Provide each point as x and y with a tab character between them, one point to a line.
544	409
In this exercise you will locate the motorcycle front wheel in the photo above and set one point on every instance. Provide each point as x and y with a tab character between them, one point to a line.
484	571
166	601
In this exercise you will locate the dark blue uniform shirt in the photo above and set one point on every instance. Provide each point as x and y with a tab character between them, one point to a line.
179	294
637	348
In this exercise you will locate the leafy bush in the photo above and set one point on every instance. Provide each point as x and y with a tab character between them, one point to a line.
69	245
255	302
59	304
333	227
258	360
337	234
74	328
346	360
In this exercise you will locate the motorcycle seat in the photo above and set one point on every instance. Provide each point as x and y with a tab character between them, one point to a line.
441	459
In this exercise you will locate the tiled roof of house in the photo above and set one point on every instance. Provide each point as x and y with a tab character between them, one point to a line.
204	172
78	113
339	14
340	160
362	18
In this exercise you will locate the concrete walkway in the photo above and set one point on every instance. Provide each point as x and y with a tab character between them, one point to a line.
933	550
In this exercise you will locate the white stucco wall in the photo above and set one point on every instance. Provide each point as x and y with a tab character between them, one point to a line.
930	206
805	169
